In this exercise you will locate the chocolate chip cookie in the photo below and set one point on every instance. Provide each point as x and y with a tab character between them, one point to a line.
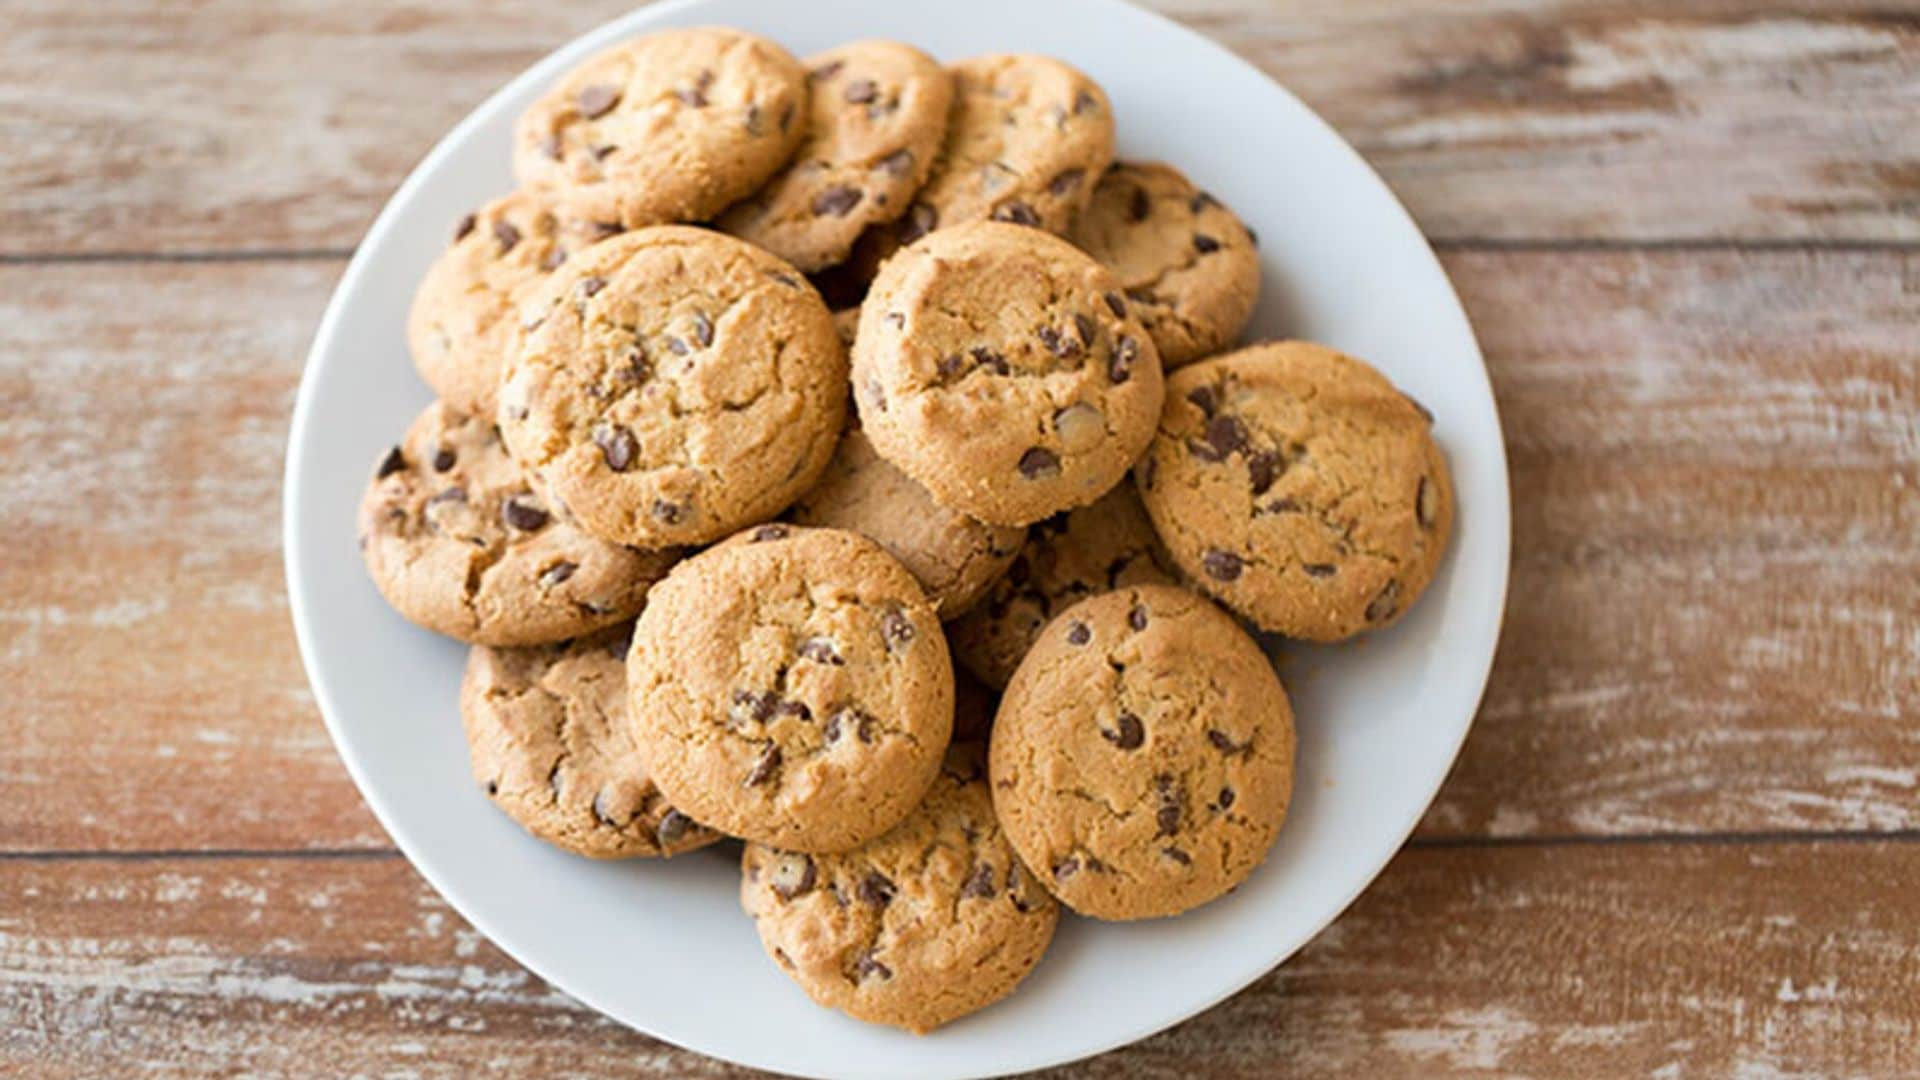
1001	369
878	113
673	384
1187	265
954	557
464	312
673	126
792	686
1298	487
1142	758
458	540
548	736
926	924
1066	559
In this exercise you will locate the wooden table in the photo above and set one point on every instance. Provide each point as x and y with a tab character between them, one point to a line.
1683	839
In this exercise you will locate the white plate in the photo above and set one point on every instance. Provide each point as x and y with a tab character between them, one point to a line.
664	947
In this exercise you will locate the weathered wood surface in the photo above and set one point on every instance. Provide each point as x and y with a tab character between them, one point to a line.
1611	960
1716	470
238	126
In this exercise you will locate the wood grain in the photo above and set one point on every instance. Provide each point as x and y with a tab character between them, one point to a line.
1645	960
1716	472
1506	120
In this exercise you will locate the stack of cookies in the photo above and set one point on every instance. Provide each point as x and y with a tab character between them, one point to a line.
722	579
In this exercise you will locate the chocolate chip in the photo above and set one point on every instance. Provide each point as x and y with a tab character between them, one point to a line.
1227	435
1320	570
848	721
1204	244
1017	213
1262	467
508	236
1064	346
522	515
1127	734
1083	325
594	101
1066	181
875	889
676	346
1177	855
1066	868
795	709
837	200
551	146
1201	201
1083	101
590	285
1226	798
668	512
898	163
1224	743
784	278
775	531
465	226
755	706
764	766
553	258
990	359
1140	206
1385	605
916	223
860	91
557	573
450	495
673	826
443	460
821	651
753	124
826	71
786	116
493	788
702	329
792	875
604	229
696	97
950	365
636	370
1039	462
606	816
617	446
1204	398
1116	305
876	395
1222	565
1120	366
1167	817
979	881
1426	504
896	628
868	967
1078	633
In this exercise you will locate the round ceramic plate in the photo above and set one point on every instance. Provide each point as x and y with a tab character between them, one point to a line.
663	946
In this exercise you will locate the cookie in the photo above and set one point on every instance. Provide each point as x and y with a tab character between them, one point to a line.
932	921
1188	266
1142	757
792	686
1066	559
458	541
674	384
464	313
1000	367
846	322
878	111
548	736
673	126
954	557
1299	488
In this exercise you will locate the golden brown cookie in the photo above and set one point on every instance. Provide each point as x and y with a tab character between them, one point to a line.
1142	758
457	540
1066	559
674	384
792	686
548	736
672	126
1187	264
998	367
878	112
932	921
1298	487
954	557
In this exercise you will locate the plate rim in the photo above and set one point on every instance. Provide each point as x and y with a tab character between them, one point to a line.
360	265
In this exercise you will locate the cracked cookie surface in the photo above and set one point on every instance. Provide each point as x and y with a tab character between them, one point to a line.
464	313
1186	264
932	921
458	540
1066	559
549	742
792	686
1142	758
1000	368
878	110
674	384
1298	487
672	126
954	557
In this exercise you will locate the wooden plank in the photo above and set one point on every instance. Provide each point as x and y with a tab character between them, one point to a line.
1721	960
1717	486
1495	119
